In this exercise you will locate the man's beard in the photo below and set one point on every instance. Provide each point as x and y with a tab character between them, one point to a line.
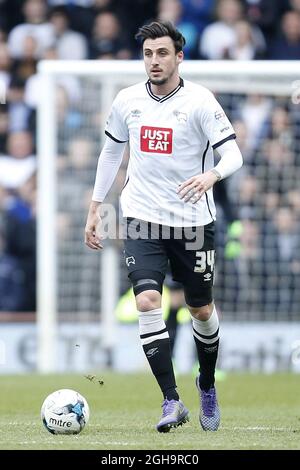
158	81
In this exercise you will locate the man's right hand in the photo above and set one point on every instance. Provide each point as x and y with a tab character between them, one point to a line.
92	237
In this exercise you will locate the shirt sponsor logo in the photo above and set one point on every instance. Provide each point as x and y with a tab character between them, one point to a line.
156	139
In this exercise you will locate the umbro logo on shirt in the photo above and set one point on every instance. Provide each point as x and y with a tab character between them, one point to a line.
136	113
156	139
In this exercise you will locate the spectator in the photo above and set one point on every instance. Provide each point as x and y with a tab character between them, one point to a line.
5	64
198	13
35	27
282	261
20	163
294	5
76	173
249	279
108	42
20	228
3	128
228	13
293	200
2	36
172	10
279	127
11	280
249	43
276	169
249	198
265	14
254	112
240	39
80	13
286	46
69	44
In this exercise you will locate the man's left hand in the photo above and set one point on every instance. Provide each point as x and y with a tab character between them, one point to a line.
193	189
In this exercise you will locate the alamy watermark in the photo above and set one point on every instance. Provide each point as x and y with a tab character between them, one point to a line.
2	353
296	352
114	227
2	92
296	92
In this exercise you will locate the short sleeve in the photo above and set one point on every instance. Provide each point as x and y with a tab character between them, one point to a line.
214	122
116	127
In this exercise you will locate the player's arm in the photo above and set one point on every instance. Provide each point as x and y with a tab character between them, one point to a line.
230	161
108	165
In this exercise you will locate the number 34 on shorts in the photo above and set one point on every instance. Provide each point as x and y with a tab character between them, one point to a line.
205	261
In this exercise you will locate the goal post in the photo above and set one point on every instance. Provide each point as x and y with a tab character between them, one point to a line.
70	132
46	234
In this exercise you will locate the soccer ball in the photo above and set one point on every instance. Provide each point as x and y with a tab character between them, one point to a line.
65	412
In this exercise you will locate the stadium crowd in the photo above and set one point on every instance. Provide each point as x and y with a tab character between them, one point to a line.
263	261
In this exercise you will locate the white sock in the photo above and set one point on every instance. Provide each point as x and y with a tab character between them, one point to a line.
152	326
207	331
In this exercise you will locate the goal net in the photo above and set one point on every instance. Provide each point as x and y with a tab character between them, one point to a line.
258	238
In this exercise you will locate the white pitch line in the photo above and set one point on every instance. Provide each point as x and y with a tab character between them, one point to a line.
222	428
254	428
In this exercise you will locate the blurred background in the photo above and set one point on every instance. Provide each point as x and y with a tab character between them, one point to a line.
257	288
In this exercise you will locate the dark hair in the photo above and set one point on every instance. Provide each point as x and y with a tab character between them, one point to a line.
159	29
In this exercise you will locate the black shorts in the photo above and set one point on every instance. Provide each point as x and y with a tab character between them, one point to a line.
190	252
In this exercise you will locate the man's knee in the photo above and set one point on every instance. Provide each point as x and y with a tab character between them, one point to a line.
147	288
148	300
199	299
202	313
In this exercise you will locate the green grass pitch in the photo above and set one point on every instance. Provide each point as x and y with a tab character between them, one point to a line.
258	412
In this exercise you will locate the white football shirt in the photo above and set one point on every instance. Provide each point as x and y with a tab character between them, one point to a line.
171	139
